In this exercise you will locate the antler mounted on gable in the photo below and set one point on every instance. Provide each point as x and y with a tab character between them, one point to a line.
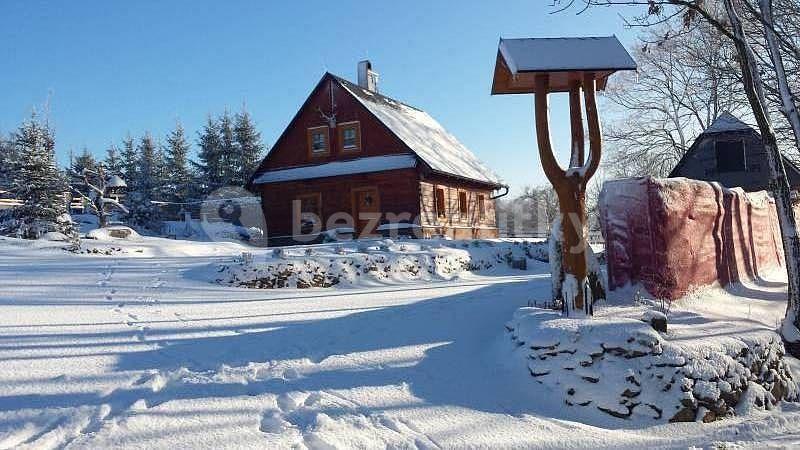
330	118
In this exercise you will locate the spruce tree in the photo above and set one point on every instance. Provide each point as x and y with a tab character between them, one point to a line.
38	183
114	164
179	179
249	147
210	168
145	184
76	167
7	162
229	156
130	160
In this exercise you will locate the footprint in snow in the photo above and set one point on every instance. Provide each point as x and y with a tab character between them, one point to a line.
290	401
272	422
141	335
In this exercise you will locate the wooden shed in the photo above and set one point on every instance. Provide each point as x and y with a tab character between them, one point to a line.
351	151
731	152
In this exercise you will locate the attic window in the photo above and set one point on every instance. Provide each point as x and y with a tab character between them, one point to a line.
350	136
730	156
441	211
318	141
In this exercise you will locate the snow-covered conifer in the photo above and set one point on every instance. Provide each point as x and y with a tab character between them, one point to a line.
144	184
230	159
210	166
114	163
249	147
38	183
176	157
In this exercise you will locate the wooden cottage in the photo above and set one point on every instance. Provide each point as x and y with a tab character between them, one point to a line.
353	152
731	152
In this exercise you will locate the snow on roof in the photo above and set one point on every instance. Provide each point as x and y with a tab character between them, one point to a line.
336	168
423	135
562	54
116	182
727	122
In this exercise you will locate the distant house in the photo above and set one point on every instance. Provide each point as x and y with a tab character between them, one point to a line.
7	200
731	152
352	150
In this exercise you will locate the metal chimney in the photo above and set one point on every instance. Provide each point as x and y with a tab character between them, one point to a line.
367	79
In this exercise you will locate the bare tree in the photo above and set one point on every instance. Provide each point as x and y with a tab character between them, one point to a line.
96	194
685	79
530	213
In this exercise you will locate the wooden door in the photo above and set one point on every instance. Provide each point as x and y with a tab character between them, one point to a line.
366	210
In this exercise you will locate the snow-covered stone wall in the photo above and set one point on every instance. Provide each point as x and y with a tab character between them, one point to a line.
381	261
674	234
622	367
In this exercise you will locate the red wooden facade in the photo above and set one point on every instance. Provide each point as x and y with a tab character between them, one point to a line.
332	126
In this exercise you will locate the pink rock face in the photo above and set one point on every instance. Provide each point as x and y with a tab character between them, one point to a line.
674	234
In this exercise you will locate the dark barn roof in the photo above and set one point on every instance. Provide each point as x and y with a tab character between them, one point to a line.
725	127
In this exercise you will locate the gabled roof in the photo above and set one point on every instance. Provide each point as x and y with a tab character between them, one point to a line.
116	182
727	122
565	54
518	60
423	135
724	123
440	150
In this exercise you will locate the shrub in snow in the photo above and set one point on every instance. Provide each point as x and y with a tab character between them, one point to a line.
623	368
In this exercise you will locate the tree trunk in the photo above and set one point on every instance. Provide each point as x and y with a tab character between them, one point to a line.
779	183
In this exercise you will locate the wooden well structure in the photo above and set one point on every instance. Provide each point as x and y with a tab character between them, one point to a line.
542	66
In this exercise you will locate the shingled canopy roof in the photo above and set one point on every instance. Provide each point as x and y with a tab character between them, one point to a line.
519	60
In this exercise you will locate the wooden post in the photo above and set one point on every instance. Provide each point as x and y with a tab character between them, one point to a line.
570	185
576	125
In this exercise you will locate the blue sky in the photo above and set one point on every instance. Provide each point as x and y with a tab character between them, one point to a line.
110	68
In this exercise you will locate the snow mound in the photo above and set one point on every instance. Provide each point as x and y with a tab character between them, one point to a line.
378	262
112	233
55	236
621	367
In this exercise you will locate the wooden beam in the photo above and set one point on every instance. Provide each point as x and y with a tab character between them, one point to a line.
576	125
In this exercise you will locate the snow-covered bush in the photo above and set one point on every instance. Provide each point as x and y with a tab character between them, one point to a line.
113	232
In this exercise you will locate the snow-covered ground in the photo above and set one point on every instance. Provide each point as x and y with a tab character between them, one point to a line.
133	349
